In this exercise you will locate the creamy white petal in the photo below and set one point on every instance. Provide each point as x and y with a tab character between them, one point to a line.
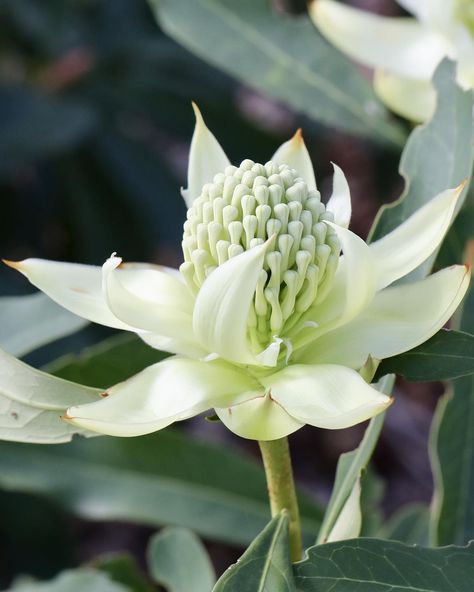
325	395
400	45
349	521
295	154
398	319
340	201
76	287
189	349
206	159
353	288
411	243
163	285
148	299
223	303
169	391
260	418
409	97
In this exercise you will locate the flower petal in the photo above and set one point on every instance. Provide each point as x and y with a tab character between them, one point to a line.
295	154
223	303
76	287
260	418
148	299
349	521
411	98
182	347
169	391
206	159
353	287
340	201
400	45
398	319
411	243
325	395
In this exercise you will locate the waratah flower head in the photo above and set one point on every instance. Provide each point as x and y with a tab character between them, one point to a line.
247	206
276	308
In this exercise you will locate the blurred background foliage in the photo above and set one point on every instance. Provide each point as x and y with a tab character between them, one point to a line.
96	124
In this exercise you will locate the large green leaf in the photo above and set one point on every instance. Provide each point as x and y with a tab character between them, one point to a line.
385	566
452	454
265	566
447	355
282	56
161	479
78	580
437	156
33	402
178	561
28	322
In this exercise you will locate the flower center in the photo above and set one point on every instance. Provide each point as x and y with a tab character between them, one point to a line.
464	11
242	208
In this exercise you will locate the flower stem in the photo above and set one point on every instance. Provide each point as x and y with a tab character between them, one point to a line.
281	488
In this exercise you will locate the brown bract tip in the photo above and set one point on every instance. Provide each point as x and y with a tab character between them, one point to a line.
298	136
104	394
66	417
13	264
469	255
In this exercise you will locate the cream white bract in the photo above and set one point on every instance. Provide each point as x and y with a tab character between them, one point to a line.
269	322
404	51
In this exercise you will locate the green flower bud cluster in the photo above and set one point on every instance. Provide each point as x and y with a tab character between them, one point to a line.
244	207
464	10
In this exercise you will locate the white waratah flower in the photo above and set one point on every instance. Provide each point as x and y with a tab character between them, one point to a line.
269	322
404	51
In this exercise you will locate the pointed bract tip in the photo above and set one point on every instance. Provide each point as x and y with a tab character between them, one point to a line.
314	6
469	255
12	264
298	136
461	186
197	113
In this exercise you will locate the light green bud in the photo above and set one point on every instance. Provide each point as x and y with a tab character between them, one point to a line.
246	206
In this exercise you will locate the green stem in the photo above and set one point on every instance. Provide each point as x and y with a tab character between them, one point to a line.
281	488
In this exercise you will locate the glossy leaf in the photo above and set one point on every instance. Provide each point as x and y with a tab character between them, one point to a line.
385	566
452	454
265	565
161	479
32	403
437	156
282	56
29	322
179	562
447	355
